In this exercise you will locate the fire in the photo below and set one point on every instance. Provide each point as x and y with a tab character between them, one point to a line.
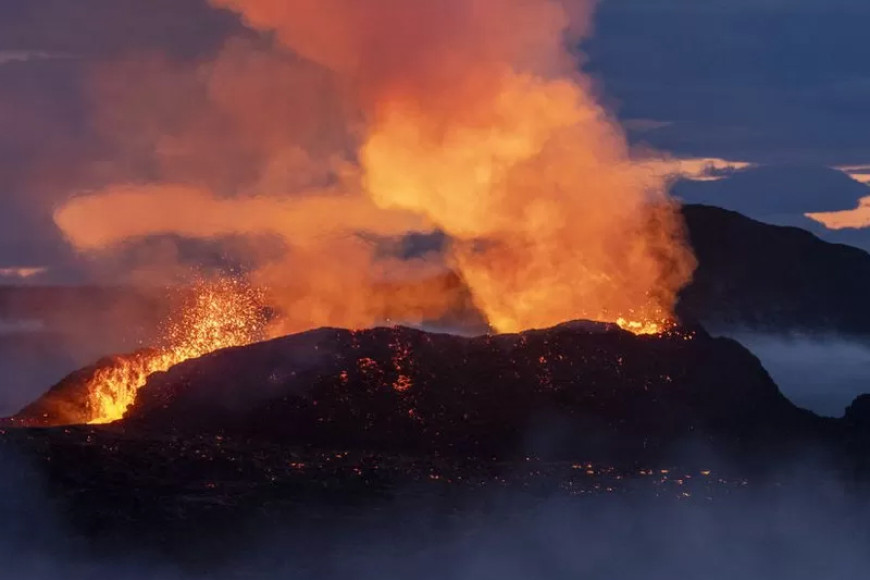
645	326
221	315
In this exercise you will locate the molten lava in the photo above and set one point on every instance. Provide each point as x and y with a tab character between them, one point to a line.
220	315
643	327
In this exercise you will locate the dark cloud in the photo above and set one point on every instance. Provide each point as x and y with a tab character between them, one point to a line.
100	28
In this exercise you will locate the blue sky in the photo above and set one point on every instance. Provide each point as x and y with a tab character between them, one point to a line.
769	81
765	81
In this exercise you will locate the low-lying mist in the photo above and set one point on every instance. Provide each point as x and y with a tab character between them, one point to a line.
820	372
794	531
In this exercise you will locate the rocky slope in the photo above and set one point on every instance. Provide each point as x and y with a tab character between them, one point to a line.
577	390
773	278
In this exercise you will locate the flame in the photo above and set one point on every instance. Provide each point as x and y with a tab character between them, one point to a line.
645	327
221	315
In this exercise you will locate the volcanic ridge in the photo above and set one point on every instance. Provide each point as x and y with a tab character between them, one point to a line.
301	426
580	389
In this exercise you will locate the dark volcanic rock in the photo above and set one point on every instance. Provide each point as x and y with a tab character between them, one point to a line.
578	389
287	430
857	418
770	277
858	413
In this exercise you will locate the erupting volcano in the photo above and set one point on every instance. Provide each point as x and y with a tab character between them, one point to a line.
356	128
219	315
350	282
215	315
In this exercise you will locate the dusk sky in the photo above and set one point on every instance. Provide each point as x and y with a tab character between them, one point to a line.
435	289
773	82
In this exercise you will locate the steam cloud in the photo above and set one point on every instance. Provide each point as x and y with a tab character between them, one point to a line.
347	122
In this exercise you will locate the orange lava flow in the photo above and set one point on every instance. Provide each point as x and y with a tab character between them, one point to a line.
645	327
222	315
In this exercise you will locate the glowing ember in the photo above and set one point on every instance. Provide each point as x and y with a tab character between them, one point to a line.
221	315
403	362
645	326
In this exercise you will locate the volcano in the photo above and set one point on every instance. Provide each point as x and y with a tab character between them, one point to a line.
772	278
580	389
308	424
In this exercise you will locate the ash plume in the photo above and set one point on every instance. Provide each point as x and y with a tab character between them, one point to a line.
347	121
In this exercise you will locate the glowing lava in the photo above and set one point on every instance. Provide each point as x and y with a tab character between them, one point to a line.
646	326
221	315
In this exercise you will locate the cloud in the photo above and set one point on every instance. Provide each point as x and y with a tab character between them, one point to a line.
766	192
22	273
644	125
803	196
860	173
11	56
857	218
821	373
696	169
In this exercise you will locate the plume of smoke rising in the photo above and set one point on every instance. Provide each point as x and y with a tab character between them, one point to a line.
384	118
197	213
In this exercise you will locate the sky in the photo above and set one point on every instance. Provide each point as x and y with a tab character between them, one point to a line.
769	81
782	84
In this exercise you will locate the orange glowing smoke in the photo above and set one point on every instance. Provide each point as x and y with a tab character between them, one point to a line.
221	315
467	117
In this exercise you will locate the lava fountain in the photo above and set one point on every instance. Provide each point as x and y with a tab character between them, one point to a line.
219	315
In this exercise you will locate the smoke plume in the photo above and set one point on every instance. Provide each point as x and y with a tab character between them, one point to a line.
351	122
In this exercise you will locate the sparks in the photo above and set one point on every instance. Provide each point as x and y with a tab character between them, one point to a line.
221	315
645	327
